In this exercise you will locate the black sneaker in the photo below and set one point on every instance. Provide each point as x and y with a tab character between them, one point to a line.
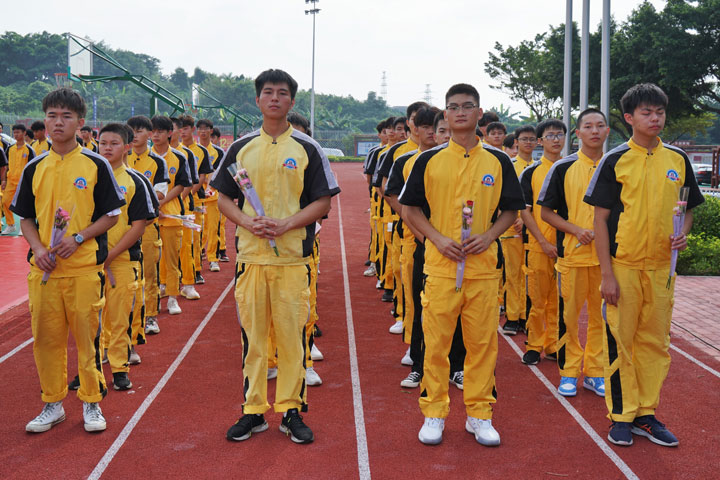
367	263
620	433
650	427
316	331
199	280
203	254
121	381
523	325
246	426
551	356
387	296
511	328
75	384
222	256
531	357
293	425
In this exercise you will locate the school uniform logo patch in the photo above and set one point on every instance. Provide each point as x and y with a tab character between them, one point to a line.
80	183
488	180
673	175
123	190
173	170
290	163
148	174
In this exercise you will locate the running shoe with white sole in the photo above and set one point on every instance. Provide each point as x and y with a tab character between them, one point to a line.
412	380
431	431
93	417
173	307
51	415
189	292
406	360
315	354
396	328
312	378
483	430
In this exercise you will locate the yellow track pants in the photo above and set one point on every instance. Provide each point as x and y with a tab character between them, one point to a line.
117	316
514	292
542	324
171	237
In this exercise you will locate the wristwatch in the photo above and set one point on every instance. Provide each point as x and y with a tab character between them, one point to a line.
78	238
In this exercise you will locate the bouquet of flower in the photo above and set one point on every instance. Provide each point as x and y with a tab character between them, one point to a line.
242	178
60	226
678	221
467	219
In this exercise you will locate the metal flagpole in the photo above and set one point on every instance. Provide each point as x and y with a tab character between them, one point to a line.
313	11
567	81
585	55
605	65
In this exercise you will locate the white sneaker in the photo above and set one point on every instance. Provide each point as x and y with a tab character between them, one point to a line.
134	358
370	272
94	420
162	293
483	430
272	373
173	307
315	354
105	358
214	267
397	327
151	325
9	230
378	285
431	431
412	380
51	415
406	360
189	292
311	377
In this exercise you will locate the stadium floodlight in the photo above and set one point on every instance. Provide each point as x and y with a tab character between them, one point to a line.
313	11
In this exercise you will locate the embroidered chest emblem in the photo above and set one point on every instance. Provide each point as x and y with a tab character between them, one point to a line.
80	183
488	180
673	175
290	163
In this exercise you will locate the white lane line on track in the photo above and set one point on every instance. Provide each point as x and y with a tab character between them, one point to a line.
695	361
132	423
622	466
16	349
17	302
362	448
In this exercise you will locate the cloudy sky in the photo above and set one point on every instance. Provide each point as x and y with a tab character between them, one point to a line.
416	42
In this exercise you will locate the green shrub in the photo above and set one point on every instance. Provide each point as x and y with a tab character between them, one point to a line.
702	257
347	158
706	218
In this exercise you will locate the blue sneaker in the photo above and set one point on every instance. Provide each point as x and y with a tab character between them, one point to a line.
649	426
568	386
620	433
596	384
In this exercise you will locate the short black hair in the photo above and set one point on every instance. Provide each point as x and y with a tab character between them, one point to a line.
414	107
296	119
186	121
524	129
462	88
389	122
589	111
509	141
118	128
161	122
380	126
37	125
425	116
176	121
216	132
643	94
275	76
140	121
402	120
19	126
30	134
439	117
549	123
65	98
86	128
488	118
204	122
495	126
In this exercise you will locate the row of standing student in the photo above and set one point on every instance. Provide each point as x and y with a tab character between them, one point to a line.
548	258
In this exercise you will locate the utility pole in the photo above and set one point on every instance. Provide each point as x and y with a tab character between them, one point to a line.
383	86
313	11
428	93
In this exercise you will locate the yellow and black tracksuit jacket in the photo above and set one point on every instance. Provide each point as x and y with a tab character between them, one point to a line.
41	147
178	174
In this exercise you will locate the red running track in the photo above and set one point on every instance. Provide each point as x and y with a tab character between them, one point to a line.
187	392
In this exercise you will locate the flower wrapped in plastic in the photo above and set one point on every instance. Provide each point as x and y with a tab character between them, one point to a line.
467	219
678	222
60	226
242	178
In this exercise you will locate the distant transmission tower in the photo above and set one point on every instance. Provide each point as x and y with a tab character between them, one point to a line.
383	86
428	93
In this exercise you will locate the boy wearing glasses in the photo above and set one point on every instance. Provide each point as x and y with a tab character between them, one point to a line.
439	187
542	322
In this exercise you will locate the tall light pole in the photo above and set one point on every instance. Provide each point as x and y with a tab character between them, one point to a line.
605	66
313	11
567	80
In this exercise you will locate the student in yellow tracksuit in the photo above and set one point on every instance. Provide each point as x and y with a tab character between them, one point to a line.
293	180
155	170
171	229
87	138
440	185
635	191
80	182
18	156
215	138
369	170
514	285
41	144
124	256
204	168
541	252
211	228
578	269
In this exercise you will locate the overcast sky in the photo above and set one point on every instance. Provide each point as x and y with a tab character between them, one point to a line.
417	42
